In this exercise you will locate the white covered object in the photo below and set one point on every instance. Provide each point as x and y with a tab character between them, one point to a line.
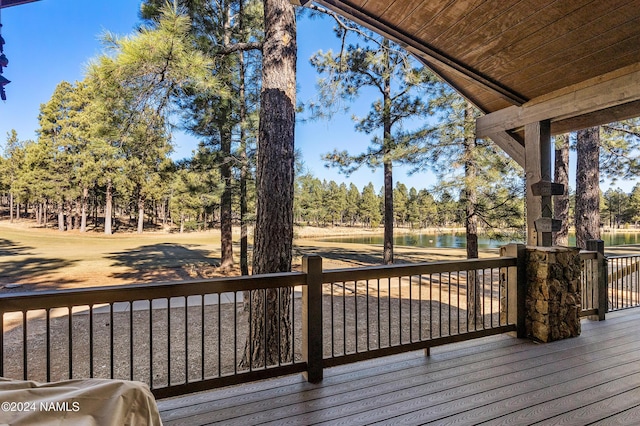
77	402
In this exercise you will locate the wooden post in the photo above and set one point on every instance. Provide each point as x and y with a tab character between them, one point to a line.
603	299
537	145
516	287
312	318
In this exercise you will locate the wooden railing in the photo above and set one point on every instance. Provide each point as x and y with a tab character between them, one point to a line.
176	337
623	282
190	336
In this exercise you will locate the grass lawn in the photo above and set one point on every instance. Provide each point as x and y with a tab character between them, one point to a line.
41	259
47	258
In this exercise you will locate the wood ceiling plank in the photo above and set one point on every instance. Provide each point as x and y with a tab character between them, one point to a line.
432	56
516	25
595	61
484	12
453	13
359	3
536	53
425	15
376	7
403	9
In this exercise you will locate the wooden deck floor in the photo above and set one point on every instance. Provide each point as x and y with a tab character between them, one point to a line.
591	379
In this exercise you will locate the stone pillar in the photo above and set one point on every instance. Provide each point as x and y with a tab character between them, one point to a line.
553	299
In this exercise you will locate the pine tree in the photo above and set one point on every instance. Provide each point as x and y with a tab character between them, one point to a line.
399	84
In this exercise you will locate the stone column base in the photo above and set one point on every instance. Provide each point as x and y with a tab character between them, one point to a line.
553	299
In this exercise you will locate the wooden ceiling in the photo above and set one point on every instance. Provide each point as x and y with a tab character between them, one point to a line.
500	53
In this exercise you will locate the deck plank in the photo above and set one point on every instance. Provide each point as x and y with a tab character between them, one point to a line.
497	380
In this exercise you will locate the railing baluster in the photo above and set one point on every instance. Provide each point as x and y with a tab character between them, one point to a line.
367	311
355	301
449	310
151	344
235	333
265	327
220	334
430	306
389	310
48	342
344	318
169	341
250	357
91	341
186	339
24	345
202	353
400	310
131	355
420	307
70	333
111	341
379	325
410	309
333	324
279	327
293	325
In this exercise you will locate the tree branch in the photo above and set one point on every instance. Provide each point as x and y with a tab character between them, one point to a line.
239	47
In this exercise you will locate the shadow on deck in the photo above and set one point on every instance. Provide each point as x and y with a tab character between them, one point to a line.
591	379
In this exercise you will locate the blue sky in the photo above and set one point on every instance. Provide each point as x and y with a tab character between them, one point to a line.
52	40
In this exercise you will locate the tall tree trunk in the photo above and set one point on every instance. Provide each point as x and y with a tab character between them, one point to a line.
244	169
163	211
474	284
387	162
84	209
226	217
561	202
11	207
140	214
61	216
108	208
387	257
226	229
587	211
274	187
69	209
39	214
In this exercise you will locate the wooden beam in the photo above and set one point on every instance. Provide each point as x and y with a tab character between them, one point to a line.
511	146
621	87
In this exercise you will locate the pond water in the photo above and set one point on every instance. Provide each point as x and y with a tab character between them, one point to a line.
457	240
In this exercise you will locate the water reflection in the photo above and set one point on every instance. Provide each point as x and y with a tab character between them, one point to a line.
458	240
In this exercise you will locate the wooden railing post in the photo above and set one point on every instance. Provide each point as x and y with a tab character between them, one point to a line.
312	318
516	287
603	298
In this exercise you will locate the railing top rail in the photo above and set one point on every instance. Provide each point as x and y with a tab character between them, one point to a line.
587	255
388	271
23	301
623	256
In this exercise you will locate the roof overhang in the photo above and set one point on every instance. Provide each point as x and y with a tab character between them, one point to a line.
8	3
575	63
